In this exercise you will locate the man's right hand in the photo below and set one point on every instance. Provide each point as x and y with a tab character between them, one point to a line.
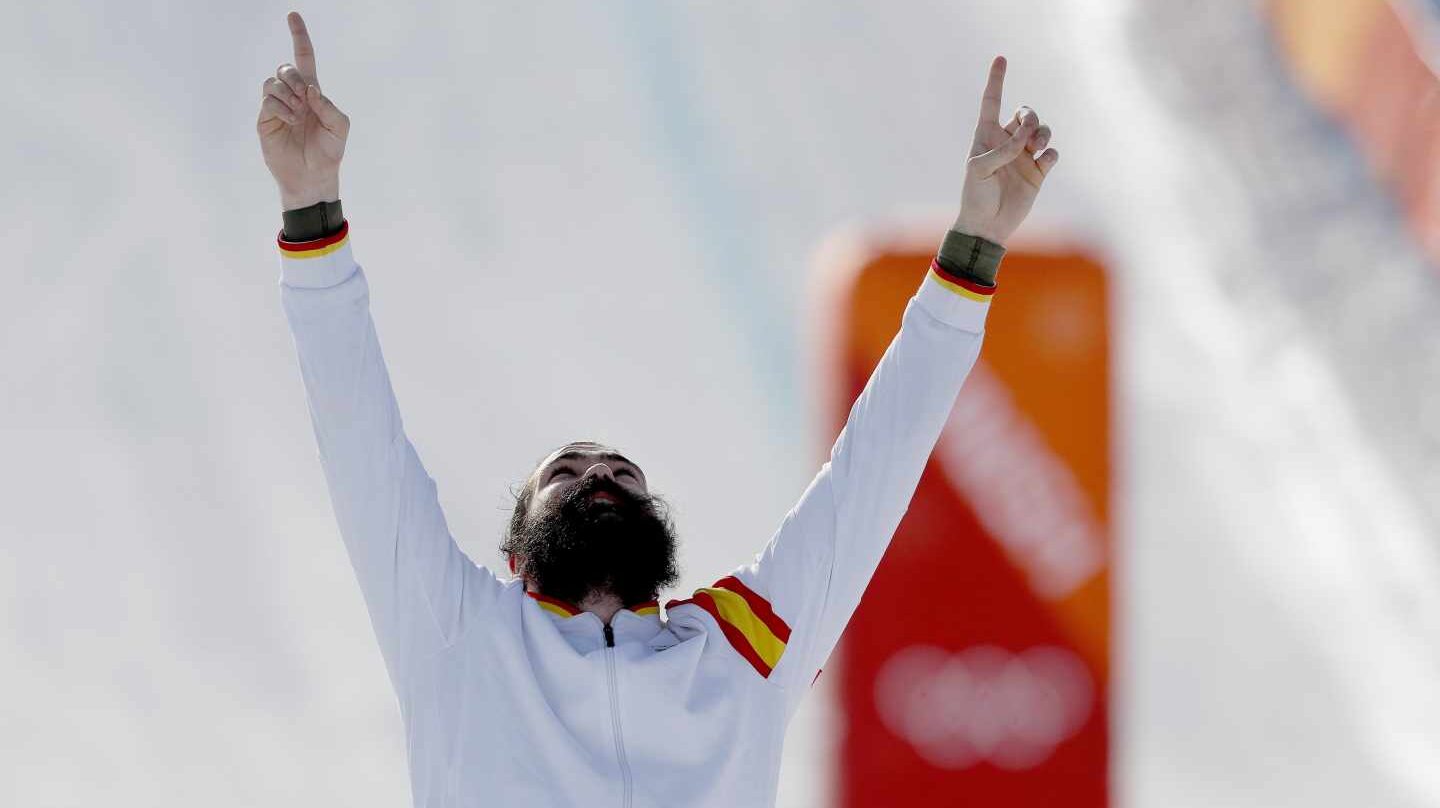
302	134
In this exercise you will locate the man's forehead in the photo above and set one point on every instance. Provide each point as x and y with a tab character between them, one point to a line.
586	452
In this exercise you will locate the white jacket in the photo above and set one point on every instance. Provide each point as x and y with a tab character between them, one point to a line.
513	700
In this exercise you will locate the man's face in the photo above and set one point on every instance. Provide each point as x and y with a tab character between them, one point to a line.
575	463
593	527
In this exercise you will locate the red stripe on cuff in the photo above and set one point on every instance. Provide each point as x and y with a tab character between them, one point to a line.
301	246
964	283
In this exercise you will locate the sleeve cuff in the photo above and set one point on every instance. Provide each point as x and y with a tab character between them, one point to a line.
316	264
954	300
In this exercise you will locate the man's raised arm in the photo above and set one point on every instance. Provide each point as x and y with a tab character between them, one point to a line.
807	581
413	576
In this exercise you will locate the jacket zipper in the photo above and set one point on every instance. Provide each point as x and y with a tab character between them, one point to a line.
615	710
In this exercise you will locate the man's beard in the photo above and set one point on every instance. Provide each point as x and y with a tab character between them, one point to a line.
577	547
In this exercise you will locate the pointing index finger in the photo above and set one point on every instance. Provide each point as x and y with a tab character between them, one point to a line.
304	51
990	102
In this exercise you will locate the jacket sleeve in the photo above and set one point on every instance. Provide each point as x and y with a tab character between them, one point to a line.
413	576
792	603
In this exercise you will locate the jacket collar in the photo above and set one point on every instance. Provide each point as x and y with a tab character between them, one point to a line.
584	631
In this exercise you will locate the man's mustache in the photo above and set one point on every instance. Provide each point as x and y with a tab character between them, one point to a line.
583	490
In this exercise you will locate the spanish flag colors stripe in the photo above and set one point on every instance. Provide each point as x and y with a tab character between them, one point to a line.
747	620
964	287
316	248
555	605
565	608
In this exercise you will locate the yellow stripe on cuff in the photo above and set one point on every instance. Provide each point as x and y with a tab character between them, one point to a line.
958	289
317	252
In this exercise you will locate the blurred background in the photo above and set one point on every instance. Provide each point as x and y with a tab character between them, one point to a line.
654	225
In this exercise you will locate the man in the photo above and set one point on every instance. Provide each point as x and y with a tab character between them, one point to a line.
566	685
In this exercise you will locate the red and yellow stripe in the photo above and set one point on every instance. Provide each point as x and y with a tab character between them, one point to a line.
747	620
563	608
964	287
317	248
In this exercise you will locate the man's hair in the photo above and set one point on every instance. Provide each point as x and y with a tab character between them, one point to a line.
517	517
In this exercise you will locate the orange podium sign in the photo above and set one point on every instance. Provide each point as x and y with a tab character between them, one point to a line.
975	670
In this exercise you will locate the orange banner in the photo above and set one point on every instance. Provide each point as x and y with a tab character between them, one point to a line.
975	671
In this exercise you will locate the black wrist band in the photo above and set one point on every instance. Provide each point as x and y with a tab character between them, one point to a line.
316	221
970	256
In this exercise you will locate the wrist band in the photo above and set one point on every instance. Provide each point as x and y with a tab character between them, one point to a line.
970	256
316	221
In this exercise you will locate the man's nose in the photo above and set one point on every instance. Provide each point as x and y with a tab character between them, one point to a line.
602	471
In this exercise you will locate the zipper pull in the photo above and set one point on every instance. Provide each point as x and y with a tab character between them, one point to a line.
609	636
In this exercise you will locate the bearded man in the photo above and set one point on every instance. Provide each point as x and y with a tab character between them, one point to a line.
566	685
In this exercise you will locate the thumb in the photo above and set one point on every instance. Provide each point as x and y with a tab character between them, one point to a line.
330	115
